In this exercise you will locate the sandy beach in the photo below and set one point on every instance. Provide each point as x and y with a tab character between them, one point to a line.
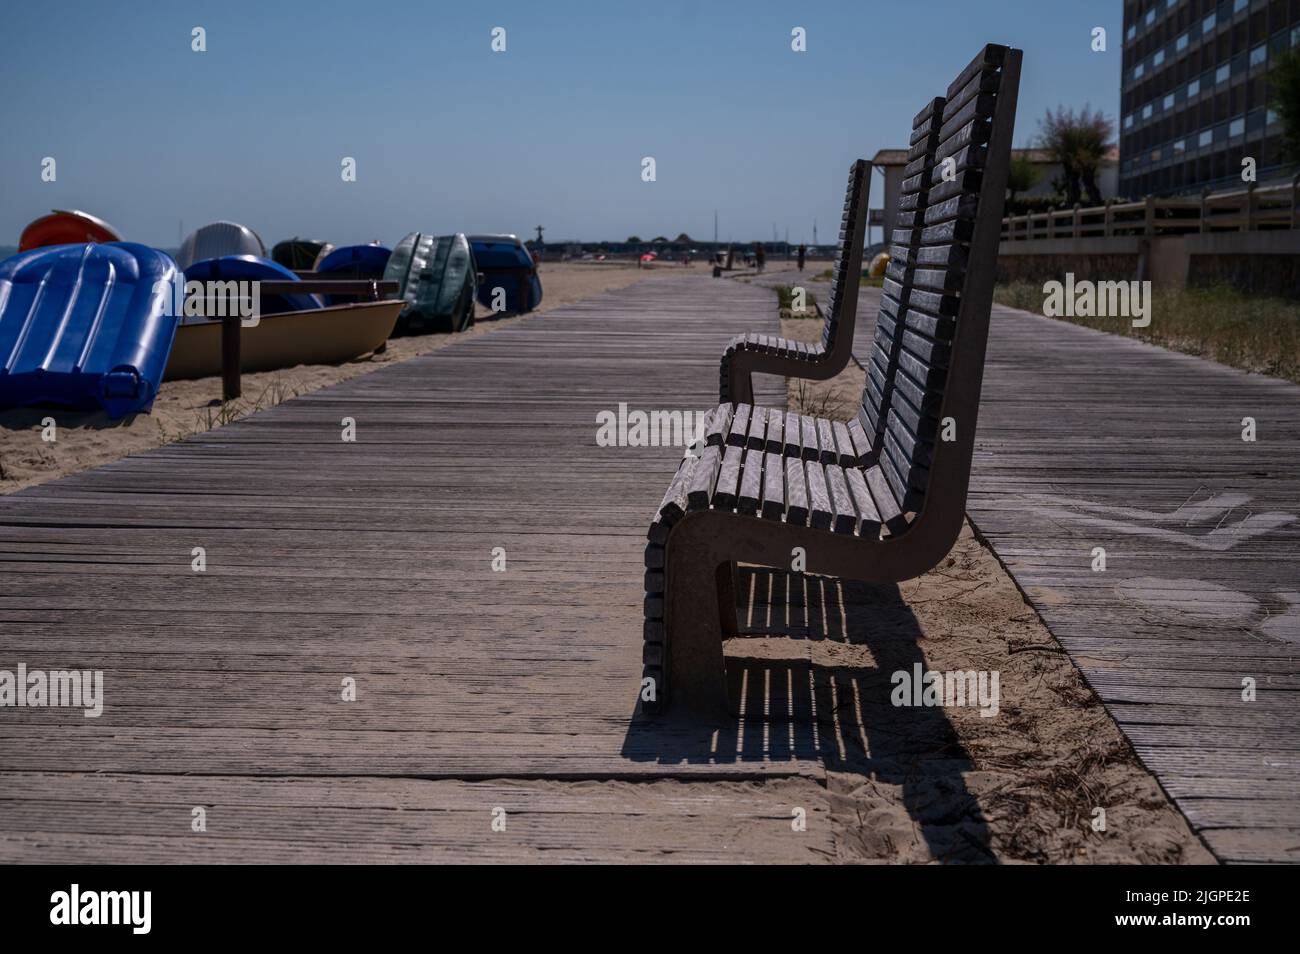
183	408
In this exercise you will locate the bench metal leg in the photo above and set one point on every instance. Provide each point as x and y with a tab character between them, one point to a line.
728	585
693	617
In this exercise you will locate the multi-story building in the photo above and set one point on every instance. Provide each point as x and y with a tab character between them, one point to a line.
1195	95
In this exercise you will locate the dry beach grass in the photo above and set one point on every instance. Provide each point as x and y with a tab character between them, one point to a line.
1253	333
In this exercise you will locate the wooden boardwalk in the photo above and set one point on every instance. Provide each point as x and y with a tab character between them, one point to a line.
1090	440
371	560
476	689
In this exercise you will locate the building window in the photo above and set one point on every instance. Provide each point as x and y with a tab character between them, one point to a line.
1194	87
1237	126
1131	32
1180	44
1205	138
1169	101
1271	117
1128	121
1239	5
1259	55
1155	155
1146	111
1208	24
1138	71
1222	73
1158	58
1151	16
1180	145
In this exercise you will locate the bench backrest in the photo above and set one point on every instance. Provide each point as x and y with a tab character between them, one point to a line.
943	323
842	313
905	245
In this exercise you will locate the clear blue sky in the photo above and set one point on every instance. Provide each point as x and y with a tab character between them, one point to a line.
449	136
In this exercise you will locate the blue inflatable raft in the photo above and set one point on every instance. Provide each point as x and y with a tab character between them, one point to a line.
86	326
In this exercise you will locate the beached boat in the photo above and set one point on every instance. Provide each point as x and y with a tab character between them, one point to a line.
66	227
329	335
291	328
506	264
352	261
250	268
436	282
299	254
219	239
86	326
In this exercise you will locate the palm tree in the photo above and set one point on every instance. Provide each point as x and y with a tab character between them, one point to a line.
1284	79
1078	143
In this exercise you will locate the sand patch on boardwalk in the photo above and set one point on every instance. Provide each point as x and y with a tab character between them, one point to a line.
191	407
947	783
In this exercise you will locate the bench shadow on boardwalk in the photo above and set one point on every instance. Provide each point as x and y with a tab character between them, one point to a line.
826	706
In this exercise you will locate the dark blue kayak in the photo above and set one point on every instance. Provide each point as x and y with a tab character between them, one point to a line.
353	261
252	268
86	326
506	264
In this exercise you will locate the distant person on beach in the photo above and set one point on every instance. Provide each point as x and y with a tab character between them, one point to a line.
760	256
801	253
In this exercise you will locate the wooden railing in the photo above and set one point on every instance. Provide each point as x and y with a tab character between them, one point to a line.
1242	210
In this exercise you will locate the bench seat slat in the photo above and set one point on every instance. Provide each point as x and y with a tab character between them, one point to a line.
846	455
820	512
699	491
793	446
673	506
739	426
846	514
809	449
826	441
773	486
775	421
887	505
868	516
757	428
751	483
796	511
724	491
719	425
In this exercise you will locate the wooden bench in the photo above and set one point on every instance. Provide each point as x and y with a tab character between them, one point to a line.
769	354
880	498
